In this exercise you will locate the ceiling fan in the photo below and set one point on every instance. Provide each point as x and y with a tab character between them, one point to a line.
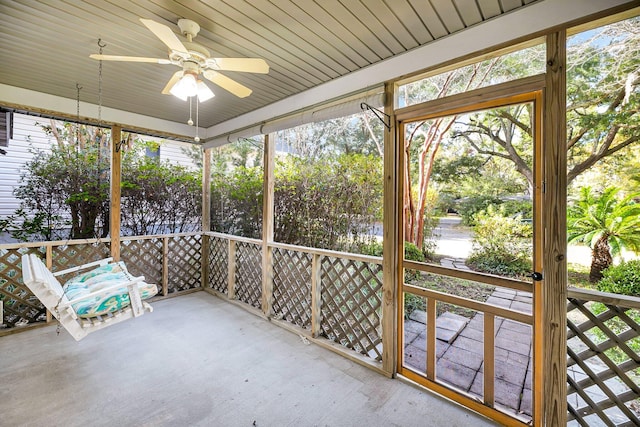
194	60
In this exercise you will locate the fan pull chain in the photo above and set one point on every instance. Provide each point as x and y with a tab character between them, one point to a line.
190	121
197	138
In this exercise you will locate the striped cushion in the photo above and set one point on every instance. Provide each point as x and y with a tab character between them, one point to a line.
100	278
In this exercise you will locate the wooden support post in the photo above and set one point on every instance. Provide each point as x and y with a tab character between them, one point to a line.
554	293
390	239
231	285
268	187
206	189
206	215
316	297
165	266
114	206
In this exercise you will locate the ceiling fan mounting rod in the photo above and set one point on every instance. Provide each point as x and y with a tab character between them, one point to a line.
189	28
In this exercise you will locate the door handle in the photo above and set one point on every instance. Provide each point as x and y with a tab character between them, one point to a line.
536	276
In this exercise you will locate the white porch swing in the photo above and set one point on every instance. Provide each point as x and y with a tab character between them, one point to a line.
103	296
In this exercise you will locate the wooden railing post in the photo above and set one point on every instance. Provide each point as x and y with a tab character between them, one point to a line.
231	290
165	266
489	359
267	225
431	338
114	211
206	215
316	296
390	239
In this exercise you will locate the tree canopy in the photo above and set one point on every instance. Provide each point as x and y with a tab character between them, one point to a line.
607	224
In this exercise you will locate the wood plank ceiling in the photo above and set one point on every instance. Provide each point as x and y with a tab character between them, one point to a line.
45	45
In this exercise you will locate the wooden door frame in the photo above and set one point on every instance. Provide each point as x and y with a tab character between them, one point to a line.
529	89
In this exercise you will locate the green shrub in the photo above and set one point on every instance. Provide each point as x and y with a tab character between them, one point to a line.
445	204
412	253
502	244
513	208
469	207
621	279
430	243
373	248
413	302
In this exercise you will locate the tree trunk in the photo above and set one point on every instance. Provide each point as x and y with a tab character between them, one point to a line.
106	218
431	145
601	259
408	198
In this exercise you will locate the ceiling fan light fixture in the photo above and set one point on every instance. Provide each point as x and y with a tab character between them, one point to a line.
204	93
195	60
185	87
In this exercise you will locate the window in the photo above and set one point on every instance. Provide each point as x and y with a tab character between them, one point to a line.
6	131
153	152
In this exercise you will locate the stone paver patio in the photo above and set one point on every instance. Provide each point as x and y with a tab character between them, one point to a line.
459	355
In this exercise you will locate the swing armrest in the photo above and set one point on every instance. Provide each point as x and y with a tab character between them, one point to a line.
103	291
84	266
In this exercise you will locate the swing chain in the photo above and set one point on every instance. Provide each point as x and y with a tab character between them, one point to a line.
101	45
78	88
57	311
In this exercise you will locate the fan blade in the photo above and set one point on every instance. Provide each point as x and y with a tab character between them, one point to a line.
128	58
173	80
228	84
165	34
247	65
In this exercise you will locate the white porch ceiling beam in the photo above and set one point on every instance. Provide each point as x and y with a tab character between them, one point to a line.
42	102
531	19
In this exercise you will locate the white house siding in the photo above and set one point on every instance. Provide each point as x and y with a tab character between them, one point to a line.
28	134
174	152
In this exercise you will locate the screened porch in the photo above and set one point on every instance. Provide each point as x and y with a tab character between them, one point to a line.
255	331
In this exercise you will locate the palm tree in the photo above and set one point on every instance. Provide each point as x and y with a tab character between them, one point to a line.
607	225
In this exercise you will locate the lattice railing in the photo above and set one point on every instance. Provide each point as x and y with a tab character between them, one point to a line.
143	257
603	364
219	264
292	286
70	255
248	278
326	294
351	304
185	262
19	304
178	255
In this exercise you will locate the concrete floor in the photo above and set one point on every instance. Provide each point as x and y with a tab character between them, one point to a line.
200	361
